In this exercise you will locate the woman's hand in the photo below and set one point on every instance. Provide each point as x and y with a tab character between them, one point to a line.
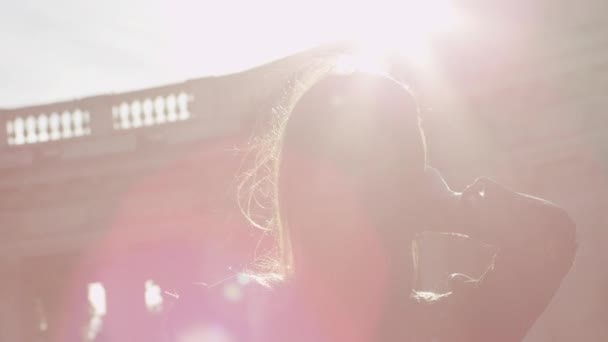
504	218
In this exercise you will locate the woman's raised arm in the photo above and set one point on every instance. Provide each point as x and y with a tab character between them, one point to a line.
536	242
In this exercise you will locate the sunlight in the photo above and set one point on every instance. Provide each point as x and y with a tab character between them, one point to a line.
363	60
97	298
183	39
153	296
405	28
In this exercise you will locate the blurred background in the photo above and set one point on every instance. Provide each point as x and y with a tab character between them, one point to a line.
126	126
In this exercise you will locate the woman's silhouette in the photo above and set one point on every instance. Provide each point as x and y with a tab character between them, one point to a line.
349	190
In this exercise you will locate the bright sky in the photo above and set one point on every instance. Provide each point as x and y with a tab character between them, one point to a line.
63	49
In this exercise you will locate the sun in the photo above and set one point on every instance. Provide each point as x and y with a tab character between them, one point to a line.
407	28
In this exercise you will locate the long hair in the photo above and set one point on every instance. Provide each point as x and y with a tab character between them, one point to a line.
318	104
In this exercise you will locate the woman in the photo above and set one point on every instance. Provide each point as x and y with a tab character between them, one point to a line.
350	189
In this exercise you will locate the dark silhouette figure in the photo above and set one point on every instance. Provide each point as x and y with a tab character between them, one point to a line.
349	188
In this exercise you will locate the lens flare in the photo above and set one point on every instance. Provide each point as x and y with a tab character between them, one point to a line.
153	296
404	29
97	298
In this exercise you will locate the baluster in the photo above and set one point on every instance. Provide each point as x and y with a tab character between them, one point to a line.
136	113
19	131
66	124
55	126
159	106
77	119
171	114
30	126
148	109
182	104
125	122
43	128
86	123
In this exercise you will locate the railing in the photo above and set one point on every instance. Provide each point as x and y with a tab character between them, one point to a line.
110	124
48	127
120	122
151	111
97	115
206	100
200	99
